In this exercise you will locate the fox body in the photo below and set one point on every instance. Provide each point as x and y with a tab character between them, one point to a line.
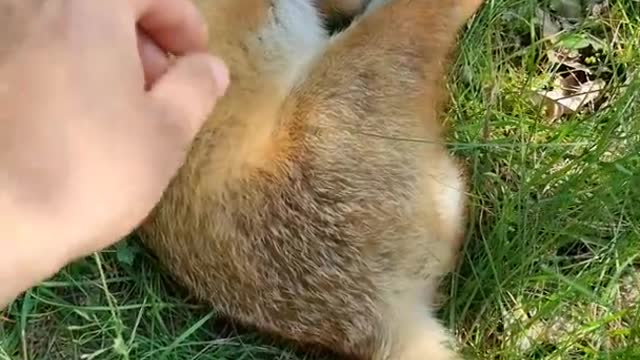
300	209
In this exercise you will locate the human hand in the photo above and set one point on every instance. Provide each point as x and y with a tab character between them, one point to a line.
85	151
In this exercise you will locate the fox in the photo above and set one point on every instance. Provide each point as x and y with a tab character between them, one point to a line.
304	208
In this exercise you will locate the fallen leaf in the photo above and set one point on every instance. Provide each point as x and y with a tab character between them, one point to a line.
567	58
568	96
553	110
584	94
574	95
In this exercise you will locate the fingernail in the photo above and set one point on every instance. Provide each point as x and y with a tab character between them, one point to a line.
220	74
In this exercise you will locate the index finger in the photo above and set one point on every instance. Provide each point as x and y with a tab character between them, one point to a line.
176	26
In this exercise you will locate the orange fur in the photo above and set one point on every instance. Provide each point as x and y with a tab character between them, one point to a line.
300	210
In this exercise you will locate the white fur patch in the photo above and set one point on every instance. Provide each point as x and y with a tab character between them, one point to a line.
451	199
294	36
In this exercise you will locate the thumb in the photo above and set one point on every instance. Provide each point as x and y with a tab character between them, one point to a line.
186	94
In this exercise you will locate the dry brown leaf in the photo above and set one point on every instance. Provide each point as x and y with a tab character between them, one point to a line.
568	96
568	58
553	109
583	94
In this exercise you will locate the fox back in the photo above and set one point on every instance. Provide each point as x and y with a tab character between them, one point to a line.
319	202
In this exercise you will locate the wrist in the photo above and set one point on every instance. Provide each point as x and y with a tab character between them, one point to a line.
26	258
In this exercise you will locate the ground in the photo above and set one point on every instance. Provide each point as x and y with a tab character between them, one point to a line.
551	265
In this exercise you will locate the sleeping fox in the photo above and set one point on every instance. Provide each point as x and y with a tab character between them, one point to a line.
319	201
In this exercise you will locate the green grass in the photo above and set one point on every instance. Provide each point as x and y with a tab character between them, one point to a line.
550	270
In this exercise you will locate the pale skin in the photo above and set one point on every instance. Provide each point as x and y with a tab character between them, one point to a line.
94	122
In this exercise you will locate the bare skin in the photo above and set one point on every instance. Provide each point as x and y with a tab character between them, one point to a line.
84	65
